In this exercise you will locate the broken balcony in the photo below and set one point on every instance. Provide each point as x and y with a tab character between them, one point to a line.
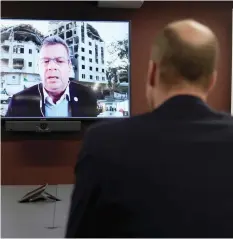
61	29
76	40
69	34
69	42
18	64
76	48
68	26
62	36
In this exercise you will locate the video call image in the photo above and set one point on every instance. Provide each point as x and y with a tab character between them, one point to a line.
64	69
232	69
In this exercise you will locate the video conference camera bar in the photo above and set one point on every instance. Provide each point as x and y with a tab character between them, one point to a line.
42	126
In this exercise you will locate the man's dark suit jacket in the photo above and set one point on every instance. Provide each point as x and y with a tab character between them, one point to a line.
27	103
168	173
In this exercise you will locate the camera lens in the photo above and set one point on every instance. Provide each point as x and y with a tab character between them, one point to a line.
43	125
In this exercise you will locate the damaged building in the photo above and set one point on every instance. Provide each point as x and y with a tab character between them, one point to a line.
19	54
87	50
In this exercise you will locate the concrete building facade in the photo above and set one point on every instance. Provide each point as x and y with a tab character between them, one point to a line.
18	63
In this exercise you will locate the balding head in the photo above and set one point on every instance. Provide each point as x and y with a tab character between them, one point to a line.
188	28
184	57
186	49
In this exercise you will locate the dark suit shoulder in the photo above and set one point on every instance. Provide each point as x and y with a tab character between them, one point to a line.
79	87
116	124
107	124
109	131
123	132
33	90
223	116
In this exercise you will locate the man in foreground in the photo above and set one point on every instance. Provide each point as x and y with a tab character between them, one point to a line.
56	96
171	173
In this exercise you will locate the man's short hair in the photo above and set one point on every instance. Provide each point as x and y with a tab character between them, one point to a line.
180	58
54	40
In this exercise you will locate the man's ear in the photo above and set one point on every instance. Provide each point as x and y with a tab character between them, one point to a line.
151	77
70	65
213	81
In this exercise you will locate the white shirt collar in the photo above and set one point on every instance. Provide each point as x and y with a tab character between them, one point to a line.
65	94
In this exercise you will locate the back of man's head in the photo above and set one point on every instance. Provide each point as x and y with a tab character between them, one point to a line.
186	50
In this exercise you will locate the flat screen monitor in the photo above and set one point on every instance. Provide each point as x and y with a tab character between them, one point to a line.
232	68
65	69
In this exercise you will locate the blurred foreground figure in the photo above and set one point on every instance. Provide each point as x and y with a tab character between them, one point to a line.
167	173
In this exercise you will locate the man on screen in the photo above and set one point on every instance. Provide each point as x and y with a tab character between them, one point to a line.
56	96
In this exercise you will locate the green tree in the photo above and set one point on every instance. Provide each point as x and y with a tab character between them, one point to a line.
112	77
117	73
121	48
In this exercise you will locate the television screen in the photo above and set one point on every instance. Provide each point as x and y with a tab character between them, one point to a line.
232	68
62	69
